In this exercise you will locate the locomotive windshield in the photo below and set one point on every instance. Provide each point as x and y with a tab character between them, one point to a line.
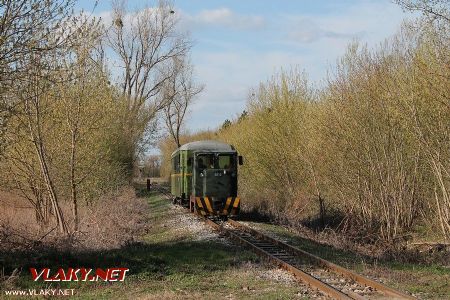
204	178
225	161
205	161
215	161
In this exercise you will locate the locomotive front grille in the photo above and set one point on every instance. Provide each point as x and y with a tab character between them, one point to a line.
217	205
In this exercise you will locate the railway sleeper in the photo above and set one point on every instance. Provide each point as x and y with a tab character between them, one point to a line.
280	256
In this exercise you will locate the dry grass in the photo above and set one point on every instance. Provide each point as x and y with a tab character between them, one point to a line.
111	222
17	212
114	221
18	228
400	251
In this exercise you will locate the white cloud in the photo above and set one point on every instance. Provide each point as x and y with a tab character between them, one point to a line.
311	42
219	17
368	21
230	65
306	30
228	76
224	17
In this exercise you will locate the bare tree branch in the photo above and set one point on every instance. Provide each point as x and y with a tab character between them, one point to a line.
179	91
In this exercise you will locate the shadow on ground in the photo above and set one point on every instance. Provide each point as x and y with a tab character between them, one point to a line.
145	260
253	216
149	260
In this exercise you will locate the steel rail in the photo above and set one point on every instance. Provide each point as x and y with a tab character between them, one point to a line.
324	263
305	277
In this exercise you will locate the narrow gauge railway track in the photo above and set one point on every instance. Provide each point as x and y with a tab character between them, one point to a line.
330	279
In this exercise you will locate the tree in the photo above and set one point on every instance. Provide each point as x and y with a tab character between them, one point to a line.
33	35
152	166
38	44
426	105
242	116
179	92
34	96
146	43
28	29
76	104
434	9
227	123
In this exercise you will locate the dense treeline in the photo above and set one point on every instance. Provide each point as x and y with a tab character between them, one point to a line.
71	126
372	147
369	152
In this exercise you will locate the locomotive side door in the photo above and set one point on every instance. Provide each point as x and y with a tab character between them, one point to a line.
195	176
182	173
197	172
189	173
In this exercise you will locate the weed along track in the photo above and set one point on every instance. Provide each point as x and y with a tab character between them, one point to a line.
330	279
321	275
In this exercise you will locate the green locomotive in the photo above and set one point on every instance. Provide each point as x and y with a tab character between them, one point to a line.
204	178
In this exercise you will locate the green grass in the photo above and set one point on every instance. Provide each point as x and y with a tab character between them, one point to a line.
170	263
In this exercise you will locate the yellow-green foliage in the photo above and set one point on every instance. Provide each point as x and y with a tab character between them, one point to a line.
275	139
63	143
371	148
96	115
374	144
83	115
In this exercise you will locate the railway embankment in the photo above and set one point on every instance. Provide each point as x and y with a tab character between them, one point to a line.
424	272
429	281
179	257
425	276
195	262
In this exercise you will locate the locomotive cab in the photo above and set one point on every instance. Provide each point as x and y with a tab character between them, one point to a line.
207	182
216	177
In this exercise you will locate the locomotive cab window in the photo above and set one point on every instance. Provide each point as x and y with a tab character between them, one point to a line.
215	161
205	161
225	161
176	163
204	177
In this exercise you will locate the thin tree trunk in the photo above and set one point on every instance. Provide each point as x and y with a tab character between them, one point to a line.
36	137
50	188
73	183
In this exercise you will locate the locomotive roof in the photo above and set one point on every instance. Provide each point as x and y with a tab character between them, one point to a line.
207	145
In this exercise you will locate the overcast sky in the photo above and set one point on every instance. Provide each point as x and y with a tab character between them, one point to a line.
239	43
